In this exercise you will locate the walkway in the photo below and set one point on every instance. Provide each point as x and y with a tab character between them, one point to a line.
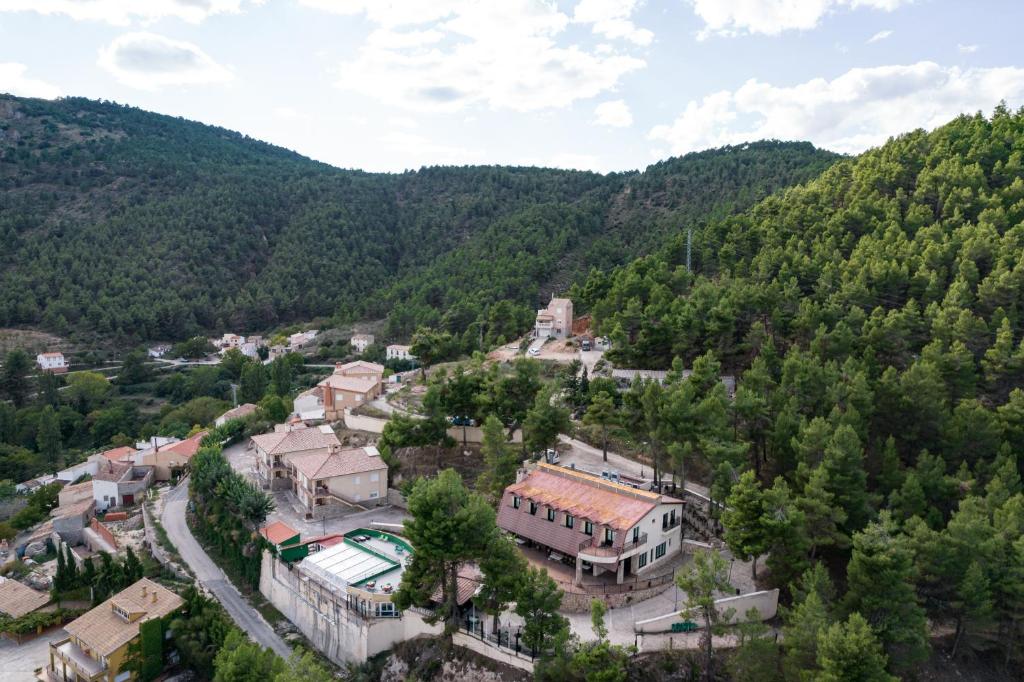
209	575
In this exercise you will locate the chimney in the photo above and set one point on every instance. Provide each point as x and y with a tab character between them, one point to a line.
154	597
337	367
143	591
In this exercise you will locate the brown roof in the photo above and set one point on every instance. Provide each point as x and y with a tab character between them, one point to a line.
343	463
467	582
351	384
361	365
74	509
278	532
78	490
104	631
239	412
112	471
16	599
186	448
585	496
296	440
118	454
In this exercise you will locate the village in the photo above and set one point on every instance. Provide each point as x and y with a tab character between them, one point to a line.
603	526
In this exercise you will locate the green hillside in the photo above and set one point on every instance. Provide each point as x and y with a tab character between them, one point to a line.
136	225
873	318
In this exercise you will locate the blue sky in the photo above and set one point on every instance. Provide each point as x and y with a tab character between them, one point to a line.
597	84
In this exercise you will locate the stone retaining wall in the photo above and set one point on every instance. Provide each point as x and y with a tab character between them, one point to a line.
574	602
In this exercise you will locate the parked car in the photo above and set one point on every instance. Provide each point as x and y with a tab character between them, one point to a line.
551	456
535	351
585	344
612	476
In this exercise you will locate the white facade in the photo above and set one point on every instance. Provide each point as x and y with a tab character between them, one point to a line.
308	406
249	349
361	342
399	352
158	351
104	493
300	339
53	362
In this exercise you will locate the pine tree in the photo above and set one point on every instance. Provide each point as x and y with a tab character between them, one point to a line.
849	652
601	413
744	520
702	581
48	435
804	622
973	605
500	460
538	603
822	517
71	567
846	478
881	588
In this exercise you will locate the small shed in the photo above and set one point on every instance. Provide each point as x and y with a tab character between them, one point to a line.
286	540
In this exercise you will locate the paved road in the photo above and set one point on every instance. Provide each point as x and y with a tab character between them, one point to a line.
18	663
212	578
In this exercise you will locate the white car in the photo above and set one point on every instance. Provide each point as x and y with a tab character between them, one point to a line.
535	351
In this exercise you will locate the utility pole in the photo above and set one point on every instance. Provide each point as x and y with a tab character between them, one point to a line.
689	246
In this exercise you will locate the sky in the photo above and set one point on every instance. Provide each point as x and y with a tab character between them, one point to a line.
605	85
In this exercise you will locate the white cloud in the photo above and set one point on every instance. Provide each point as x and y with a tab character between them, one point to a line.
611	19
967	49
772	17
452	54
149	61
418	150
881	35
14	81
123	12
859	109
614	113
402	122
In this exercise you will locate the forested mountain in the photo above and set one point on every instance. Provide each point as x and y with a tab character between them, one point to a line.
138	225
874	320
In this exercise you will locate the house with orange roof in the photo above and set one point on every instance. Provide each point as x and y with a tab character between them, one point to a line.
275	451
351	385
169	461
593	524
121	454
339	476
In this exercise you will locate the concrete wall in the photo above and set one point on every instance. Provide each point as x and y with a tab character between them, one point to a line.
475	434
766	602
338	633
506	656
73	473
364	423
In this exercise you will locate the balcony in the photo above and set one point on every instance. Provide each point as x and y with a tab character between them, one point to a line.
74	663
601	553
666	527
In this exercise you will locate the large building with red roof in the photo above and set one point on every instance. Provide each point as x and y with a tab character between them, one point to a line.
597	525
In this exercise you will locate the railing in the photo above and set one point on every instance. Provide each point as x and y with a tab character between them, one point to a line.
505	638
588	547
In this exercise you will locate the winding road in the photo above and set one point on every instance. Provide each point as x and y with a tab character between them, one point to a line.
209	575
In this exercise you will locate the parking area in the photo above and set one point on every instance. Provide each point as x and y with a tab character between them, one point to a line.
19	662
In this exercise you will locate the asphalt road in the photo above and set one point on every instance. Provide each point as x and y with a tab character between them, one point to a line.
209	575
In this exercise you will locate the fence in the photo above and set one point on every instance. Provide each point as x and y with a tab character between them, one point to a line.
505	646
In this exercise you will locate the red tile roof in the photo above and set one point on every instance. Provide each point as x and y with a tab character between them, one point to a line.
277	532
343	463
186	448
119	454
585	496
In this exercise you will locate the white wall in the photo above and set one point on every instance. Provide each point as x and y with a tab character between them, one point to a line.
766	602
101	488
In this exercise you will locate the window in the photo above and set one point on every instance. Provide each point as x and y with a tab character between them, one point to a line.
588	528
374	477
569	521
609	536
374	494
551	514
641	560
358	480
533	508
516	501
672	517
659	551
636	534
664	521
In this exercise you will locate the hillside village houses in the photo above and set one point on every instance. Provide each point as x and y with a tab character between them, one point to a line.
98	643
351	385
52	362
399	352
599	526
555	320
300	339
360	342
339	476
275	450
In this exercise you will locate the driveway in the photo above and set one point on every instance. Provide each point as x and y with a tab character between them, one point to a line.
209	575
19	663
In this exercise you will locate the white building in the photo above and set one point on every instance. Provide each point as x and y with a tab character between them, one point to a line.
300	339
555	320
309	405
399	352
361	342
52	362
159	351
249	349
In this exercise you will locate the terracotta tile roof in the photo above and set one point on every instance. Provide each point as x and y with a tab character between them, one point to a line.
239	412
186	448
343	463
585	496
112	471
77	492
297	440
52	354
16	599
104	631
347	383
360	365
277	532
467	582
118	454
